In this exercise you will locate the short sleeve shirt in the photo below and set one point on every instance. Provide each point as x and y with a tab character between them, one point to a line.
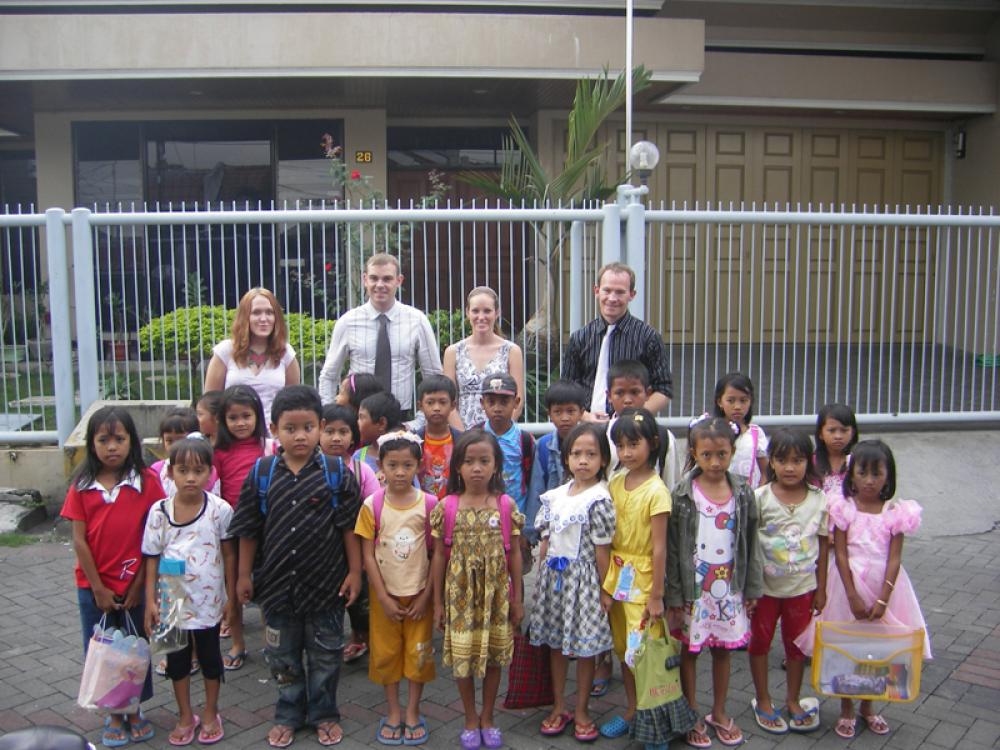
301	561
401	549
114	523
745	457
789	540
632	544
199	544
433	474
513	470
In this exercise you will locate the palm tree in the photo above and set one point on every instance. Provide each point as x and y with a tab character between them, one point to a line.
524	181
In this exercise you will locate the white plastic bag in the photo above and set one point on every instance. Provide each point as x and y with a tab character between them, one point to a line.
114	670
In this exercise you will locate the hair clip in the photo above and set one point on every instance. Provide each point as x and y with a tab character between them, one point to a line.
195	436
735	428
698	420
636	417
400	435
350	382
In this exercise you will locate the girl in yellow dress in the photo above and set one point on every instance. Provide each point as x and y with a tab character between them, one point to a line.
477	579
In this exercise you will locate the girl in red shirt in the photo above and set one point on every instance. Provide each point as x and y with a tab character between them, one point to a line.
241	439
107	504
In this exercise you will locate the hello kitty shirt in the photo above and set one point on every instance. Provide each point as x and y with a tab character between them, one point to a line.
718	617
401	549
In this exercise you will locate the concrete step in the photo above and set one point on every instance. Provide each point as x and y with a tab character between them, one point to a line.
20	509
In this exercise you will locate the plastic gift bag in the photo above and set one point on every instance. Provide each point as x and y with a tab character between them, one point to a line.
529	680
168	636
114	670
663	713
867	661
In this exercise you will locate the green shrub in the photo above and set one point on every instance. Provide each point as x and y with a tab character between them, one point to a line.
450	326
187	332
191	332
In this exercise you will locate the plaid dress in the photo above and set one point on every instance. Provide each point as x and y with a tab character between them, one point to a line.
567	612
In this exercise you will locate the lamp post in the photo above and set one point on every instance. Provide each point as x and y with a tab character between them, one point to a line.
643	158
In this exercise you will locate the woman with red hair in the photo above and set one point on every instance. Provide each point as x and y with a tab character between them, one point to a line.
258	354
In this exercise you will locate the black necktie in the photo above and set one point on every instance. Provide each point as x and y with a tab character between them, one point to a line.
383	354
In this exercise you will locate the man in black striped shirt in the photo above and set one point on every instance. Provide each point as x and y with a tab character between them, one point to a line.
301	562
631	338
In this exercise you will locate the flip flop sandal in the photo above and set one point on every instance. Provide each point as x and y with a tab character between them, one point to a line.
735	734
195	666
470	739
585	732
876	724
161	668
492	737
845	728
187	737
232	662
395	730
411	728
114	736
334	734
141	730
205	738
808	720
777	724
600	687
698	737
614	728
289	738
225	631
354	651
550	729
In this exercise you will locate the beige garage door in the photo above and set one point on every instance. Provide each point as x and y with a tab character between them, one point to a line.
805	284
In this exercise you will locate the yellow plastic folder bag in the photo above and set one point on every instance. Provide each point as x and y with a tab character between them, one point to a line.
867	661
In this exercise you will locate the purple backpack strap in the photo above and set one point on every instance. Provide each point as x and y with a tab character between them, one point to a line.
504	503
450	511
429	502
378	500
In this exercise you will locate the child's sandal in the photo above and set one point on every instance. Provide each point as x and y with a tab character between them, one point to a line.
845	727
876	724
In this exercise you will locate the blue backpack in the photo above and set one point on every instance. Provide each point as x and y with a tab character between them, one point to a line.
263	473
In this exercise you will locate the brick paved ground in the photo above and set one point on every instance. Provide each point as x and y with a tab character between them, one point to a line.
958	579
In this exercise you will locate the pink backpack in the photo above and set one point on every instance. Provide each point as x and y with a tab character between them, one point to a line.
378	502
504	503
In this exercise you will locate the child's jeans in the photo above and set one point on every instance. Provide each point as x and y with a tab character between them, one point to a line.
90	615
305	699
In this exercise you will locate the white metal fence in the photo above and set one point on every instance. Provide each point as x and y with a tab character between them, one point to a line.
896	314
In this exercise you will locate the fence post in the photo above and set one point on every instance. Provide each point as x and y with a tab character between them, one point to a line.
575	276
86	316
62	347
611	234
635	254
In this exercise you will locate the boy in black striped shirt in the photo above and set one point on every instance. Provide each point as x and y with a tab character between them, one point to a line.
301	562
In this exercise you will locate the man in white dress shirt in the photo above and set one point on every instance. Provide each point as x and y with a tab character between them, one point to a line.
382	336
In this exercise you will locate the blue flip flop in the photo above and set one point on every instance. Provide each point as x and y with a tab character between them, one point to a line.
614	728
114	736
394	728
421	724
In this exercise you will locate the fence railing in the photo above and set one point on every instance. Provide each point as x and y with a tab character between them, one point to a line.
896	314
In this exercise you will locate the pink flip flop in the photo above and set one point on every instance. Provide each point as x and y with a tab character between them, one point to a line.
205	739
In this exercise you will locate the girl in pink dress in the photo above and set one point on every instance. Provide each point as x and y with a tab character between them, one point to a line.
866	580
